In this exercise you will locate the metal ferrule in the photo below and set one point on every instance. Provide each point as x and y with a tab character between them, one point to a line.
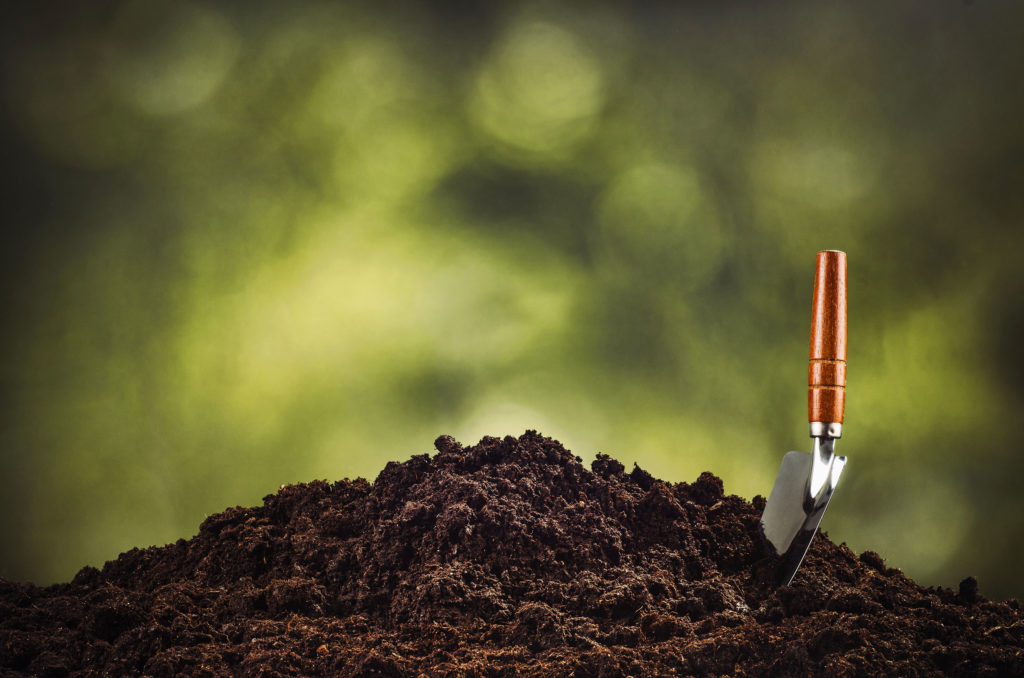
826	429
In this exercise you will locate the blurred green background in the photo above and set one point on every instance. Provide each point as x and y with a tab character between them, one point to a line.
248	245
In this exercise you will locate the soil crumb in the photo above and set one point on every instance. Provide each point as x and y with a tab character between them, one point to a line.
507	558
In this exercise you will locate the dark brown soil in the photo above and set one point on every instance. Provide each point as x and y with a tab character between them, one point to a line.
504	559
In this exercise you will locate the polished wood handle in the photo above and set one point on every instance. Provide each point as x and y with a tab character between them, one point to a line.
826	375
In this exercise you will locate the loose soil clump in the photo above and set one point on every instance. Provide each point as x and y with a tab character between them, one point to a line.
508	558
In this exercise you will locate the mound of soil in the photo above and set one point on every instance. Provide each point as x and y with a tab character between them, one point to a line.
508	558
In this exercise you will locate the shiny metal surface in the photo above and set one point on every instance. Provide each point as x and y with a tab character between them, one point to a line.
830	429
801	493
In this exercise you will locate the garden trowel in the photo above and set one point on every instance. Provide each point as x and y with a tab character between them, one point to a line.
805	482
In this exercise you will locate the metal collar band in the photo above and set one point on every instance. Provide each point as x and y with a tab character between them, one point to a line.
826	429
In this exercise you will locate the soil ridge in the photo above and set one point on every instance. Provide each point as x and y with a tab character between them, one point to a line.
505	558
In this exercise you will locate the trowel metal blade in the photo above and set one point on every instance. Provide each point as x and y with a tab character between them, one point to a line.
792	514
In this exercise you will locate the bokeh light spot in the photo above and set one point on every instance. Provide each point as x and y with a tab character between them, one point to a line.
816	171
540	90
655	216
168	57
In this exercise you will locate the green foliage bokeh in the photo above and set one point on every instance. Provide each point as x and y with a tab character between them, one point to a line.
257	246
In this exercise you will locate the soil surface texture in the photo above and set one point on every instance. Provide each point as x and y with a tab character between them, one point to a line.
508	558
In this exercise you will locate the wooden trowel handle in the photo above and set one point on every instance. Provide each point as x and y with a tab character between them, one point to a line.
826	395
